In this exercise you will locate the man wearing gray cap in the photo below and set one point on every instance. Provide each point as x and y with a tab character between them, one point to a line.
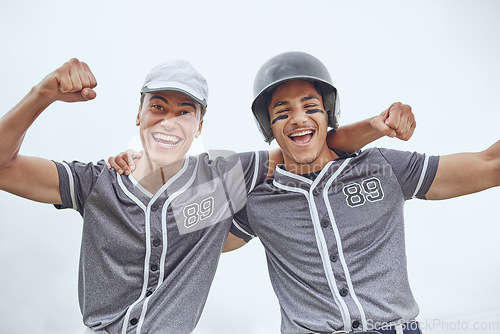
151	240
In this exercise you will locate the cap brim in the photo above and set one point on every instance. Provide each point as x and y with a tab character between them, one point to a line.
175	87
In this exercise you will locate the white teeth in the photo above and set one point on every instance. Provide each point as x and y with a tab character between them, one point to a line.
163	137
301	133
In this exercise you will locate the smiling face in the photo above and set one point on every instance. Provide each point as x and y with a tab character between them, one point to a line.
169	121
300	125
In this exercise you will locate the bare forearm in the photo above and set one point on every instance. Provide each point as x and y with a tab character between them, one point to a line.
353	137
15	123
397	121
466	173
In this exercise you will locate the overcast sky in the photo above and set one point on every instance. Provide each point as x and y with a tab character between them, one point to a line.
441	57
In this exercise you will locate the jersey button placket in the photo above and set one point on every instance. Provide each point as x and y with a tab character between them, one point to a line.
156	242
344	292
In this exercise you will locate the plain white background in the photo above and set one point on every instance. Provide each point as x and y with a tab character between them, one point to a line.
441	57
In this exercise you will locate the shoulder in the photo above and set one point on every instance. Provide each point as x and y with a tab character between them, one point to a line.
84	170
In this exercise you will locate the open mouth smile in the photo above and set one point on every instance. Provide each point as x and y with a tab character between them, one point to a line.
302	137
165	140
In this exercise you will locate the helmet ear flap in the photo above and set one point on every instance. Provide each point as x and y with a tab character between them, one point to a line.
331	103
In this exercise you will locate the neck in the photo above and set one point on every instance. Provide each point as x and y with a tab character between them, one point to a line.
313	165
153	176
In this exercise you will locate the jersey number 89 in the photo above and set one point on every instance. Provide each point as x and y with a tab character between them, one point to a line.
195	212
370	189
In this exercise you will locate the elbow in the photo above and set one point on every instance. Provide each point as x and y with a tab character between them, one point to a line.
7	161
493	156
496	172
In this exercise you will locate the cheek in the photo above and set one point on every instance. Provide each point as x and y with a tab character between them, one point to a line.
189	127
278	129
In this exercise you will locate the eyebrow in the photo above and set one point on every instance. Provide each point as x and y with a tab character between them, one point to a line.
304	99
280	103
183	104
159	97
188	104
307	98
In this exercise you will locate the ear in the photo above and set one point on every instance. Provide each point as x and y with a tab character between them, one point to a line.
198	133
138	119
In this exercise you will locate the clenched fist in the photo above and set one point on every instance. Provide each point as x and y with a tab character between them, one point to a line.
72	82
397	121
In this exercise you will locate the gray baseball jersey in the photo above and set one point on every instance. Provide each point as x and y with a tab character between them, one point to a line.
335	243
147	260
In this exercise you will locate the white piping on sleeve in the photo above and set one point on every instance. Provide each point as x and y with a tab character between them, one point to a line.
71	184
235	223
422	175
255	172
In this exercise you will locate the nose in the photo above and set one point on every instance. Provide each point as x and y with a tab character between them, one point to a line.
298	117
169	120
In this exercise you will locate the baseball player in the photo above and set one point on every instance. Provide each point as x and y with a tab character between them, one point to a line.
337	260
151	240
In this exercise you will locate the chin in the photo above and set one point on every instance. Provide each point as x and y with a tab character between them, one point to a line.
166	158
304	159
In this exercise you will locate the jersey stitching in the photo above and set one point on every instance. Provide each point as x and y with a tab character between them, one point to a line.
146	267
164	235
330	277
164	220
284	172
147	229
339	243
139	186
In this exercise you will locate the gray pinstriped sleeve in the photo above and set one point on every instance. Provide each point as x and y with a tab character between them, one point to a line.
76	181
255	165
414	171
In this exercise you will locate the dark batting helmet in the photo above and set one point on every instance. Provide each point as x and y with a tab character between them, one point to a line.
289	66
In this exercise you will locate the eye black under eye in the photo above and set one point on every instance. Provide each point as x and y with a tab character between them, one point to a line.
313	111
279	118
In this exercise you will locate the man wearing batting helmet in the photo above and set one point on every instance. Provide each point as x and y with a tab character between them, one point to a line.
337	260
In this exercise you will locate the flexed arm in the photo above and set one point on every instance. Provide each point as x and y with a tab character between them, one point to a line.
466	173
29	177
397	121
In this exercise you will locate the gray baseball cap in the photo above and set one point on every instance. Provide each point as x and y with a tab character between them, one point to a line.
180	76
